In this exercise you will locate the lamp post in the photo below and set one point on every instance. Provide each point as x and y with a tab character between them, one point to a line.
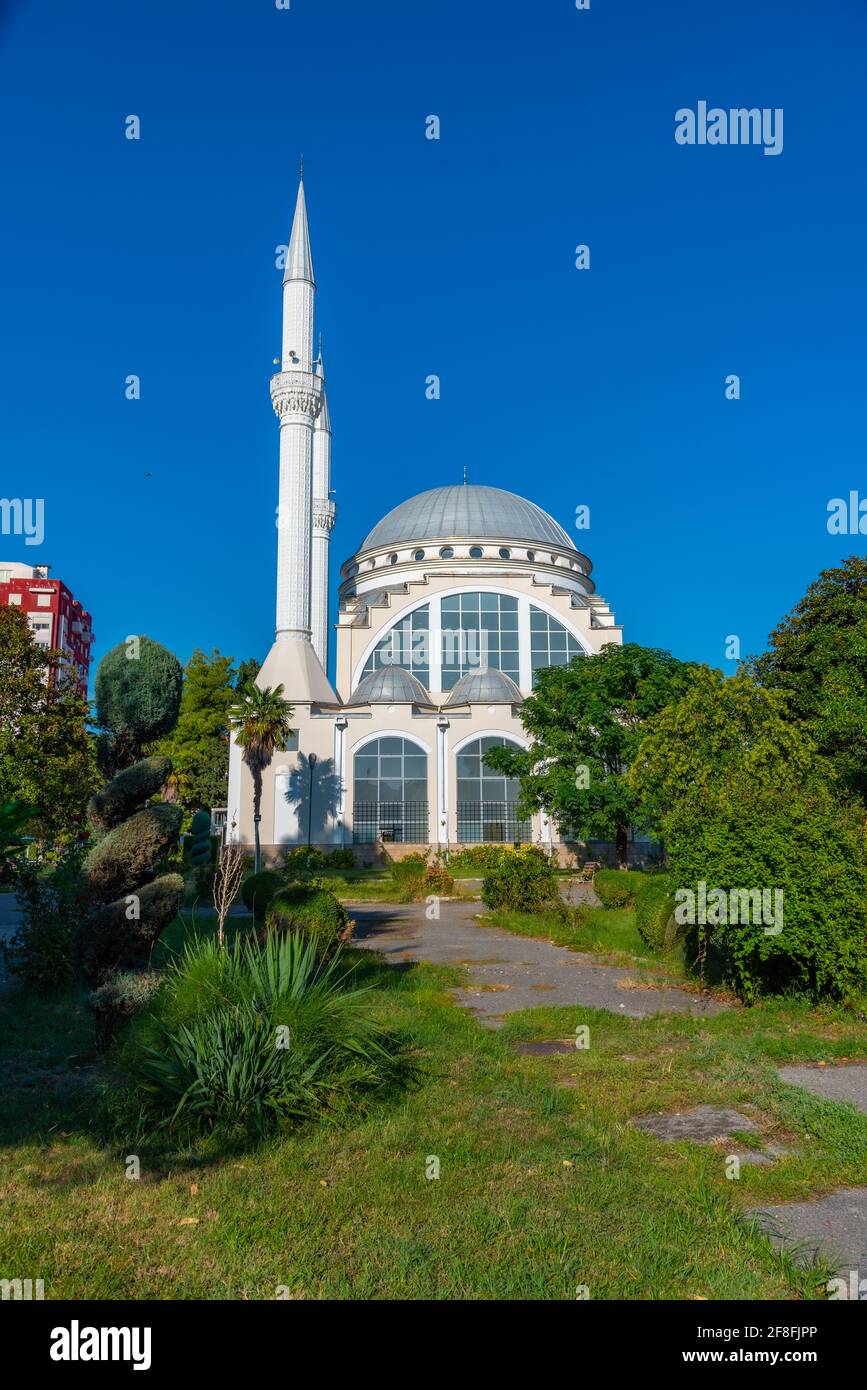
312	765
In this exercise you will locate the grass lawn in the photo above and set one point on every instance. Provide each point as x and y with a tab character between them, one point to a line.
543	1183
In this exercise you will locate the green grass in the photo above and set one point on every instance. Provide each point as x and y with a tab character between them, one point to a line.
544	1184
607	932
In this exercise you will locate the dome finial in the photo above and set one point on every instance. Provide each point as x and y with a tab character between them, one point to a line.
301	168
465	475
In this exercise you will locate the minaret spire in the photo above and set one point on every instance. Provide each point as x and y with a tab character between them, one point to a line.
296	394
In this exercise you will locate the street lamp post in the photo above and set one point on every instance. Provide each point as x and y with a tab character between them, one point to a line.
312	764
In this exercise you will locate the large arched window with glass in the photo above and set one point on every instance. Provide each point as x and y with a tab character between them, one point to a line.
406	644
479	630
550	643
486	799
390	792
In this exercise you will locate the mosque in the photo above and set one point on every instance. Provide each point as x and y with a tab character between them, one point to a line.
447	609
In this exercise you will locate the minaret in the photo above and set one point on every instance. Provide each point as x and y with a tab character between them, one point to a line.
297	395
324	513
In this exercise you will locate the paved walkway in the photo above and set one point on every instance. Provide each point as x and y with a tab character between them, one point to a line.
510	972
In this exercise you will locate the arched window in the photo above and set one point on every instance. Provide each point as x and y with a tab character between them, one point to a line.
406	644
479	630
550	643
390	792
486	799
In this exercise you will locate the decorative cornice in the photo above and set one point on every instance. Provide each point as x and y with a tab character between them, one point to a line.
296	393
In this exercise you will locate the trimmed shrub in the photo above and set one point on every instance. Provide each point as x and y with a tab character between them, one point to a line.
480	857
120	995
201	844
315	860
111	939
258	890
127	854
807	846
654	912
617	887
523	881
129	789
137	699
312	911
262	1036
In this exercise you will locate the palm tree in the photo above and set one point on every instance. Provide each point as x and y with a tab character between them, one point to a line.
261	723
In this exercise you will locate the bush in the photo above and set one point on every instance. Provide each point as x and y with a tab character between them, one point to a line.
126	855
617	887
807	846
654	912
480	857
129	789
523	881
437	880
258	890
122	934
240	1042
120	996
407	875
40	953
299	860
312	911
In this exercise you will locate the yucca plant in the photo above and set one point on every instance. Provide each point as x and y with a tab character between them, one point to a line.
263	1035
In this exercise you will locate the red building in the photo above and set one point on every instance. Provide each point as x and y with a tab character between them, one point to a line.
56	618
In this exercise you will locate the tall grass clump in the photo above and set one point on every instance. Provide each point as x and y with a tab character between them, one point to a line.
264	1035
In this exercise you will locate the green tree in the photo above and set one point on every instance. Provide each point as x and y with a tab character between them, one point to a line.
818	660
261	721
138	689
246	673
718	729
199	744
46	755
586	721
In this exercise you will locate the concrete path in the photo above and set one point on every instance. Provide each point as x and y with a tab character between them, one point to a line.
509	972
833	1229
844	1082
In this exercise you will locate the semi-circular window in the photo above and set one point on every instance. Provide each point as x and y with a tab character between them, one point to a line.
550	643
407	644
486	800
390	792
479	630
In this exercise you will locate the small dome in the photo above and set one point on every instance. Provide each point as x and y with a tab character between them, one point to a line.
467	511
484	685
390	685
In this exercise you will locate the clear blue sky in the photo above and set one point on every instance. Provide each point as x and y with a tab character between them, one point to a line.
456	257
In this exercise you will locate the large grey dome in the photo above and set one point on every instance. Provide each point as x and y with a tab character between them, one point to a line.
469	511
484	685
389	685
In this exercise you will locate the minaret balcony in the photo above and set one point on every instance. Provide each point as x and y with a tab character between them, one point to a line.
296	393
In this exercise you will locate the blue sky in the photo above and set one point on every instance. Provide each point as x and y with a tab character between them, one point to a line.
455	257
